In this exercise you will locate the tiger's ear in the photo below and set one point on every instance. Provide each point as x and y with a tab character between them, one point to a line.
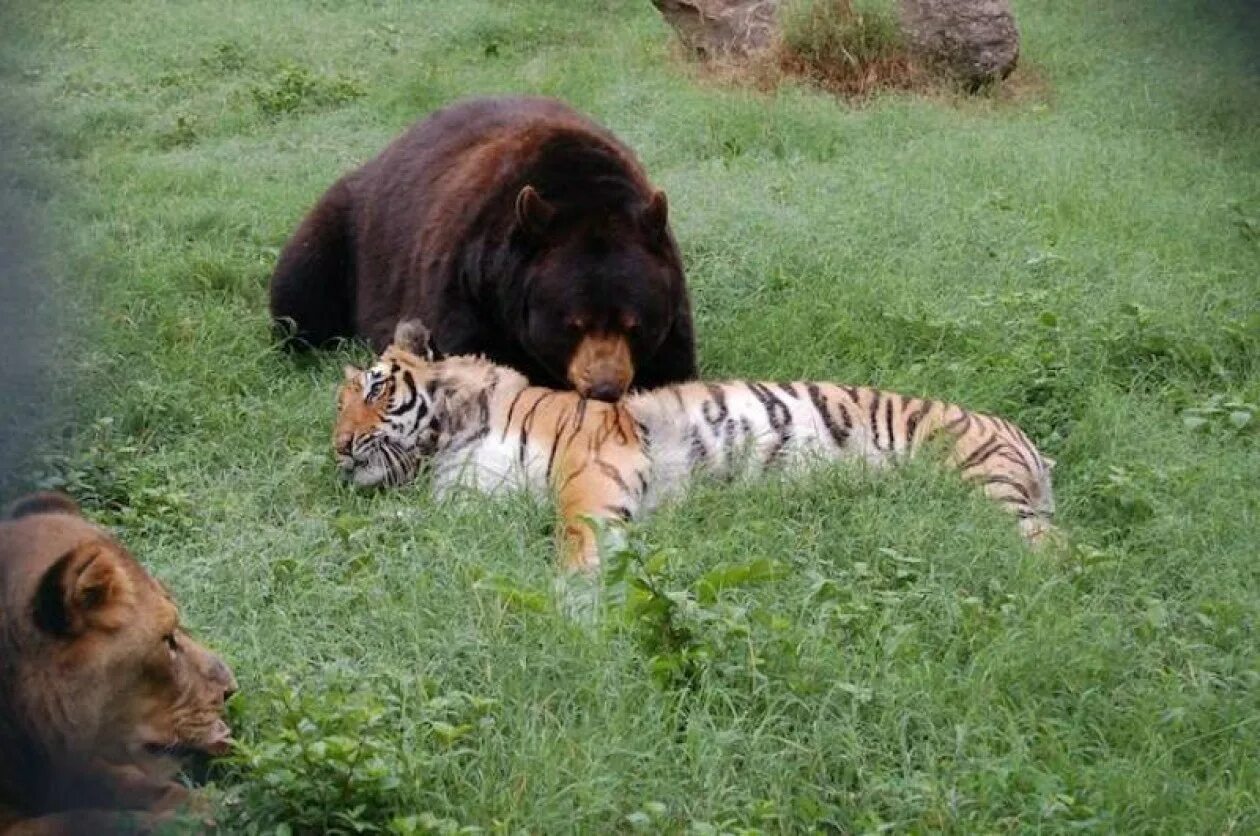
412	335
532	212
350	373
87	587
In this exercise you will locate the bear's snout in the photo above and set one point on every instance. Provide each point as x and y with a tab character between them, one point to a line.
602	367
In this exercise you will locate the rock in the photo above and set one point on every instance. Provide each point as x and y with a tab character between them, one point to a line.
975	40
714	28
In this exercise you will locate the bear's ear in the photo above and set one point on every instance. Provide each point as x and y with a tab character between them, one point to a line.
42	502
87	587
656	215
532	212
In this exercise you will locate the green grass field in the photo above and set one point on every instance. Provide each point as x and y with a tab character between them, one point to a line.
1084	260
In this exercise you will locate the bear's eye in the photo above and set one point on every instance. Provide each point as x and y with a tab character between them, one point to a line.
172	643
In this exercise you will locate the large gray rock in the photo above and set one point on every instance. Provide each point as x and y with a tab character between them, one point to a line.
714	28
976	40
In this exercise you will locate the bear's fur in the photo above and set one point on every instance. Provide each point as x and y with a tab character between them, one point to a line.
515	228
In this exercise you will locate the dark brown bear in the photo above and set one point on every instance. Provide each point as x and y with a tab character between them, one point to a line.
515	228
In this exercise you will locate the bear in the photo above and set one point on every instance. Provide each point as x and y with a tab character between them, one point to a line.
516	228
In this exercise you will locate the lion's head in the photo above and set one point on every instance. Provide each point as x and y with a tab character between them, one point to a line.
102	693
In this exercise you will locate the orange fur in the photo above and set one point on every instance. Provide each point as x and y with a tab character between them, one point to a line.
472	422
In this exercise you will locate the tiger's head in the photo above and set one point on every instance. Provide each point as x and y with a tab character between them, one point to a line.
387	415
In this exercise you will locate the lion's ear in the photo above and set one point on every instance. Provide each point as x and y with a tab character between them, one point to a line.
532	212
43	502
656	215
87	587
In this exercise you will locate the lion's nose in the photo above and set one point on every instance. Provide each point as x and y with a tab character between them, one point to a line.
221	672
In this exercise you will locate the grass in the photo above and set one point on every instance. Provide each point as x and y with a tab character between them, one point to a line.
1087	265
846	47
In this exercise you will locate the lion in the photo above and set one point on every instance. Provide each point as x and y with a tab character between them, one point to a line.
103	695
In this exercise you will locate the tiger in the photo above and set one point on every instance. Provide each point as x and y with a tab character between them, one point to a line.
470	423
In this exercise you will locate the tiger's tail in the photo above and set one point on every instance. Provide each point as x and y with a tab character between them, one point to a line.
312	298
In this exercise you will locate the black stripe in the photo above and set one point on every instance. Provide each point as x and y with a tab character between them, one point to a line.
615	417
788	389
998	479
621	512
1022	447
888	422
483	409
511	409
716	398
555	445
873	418
779	416
567	479
981	454
777	412
697	452
1011	455
963	419
840	435
412	396
579	419
845	418
613	474
526	423
912	421
483	419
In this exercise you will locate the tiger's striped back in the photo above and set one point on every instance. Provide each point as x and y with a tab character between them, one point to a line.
472	424
742	427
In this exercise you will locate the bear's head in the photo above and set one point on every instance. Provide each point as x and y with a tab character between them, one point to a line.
600	290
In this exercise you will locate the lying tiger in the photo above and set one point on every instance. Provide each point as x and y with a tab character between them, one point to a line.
476	424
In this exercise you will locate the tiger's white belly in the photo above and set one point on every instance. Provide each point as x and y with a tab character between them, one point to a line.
492	466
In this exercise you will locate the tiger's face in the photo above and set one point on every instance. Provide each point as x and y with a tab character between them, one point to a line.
386	423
